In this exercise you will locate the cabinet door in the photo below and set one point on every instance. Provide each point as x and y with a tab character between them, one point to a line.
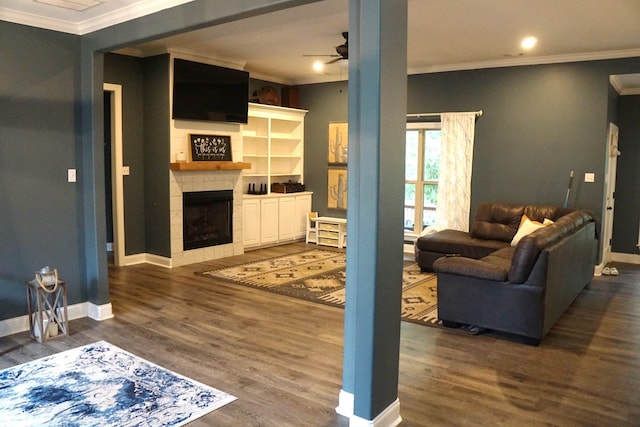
303	207
251	222
269	220
286	220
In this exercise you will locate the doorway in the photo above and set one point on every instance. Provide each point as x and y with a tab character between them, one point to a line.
609	193
114	171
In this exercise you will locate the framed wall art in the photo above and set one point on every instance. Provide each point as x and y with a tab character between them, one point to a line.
338	143
337	188
210	148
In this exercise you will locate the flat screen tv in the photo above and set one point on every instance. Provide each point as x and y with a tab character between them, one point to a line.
209	93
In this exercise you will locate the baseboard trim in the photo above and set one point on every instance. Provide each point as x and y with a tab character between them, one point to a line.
345	404
159	260
145	258
618	257
626	258
99	312
19	324
390	417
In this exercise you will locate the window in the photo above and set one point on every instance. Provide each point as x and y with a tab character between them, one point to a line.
422	170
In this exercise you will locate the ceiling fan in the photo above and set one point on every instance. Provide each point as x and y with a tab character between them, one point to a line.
342	51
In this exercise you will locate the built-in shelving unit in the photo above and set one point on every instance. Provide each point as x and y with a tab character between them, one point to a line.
273	142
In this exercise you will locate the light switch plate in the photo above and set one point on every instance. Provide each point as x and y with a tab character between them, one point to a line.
589	177
71	175
125	170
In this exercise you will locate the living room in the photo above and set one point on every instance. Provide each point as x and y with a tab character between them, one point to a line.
556	114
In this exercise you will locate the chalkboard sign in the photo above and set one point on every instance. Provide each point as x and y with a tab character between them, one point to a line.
208	148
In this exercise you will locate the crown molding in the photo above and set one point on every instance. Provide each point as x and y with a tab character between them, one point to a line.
619	87
137	10
205	58
534	60
32	20
193	55
503	63
128	13
617	84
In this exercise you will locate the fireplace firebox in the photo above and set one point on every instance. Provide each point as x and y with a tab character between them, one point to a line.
207	218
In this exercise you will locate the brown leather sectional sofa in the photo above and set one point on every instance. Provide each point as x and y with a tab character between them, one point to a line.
520	289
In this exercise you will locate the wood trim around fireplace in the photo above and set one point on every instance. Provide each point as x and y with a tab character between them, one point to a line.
202	166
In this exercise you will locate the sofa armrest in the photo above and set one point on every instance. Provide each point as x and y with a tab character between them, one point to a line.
470	267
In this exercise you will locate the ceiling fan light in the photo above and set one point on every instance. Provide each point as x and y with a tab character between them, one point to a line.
318	66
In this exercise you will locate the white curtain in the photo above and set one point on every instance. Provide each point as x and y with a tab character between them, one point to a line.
456	160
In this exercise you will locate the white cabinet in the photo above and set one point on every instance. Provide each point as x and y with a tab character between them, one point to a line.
251	222
268	220
273	142
275	218
302	208
286	218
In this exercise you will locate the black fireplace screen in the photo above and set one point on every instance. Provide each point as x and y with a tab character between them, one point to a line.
207	218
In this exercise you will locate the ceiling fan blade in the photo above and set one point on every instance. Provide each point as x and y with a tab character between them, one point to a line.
333	61
333	56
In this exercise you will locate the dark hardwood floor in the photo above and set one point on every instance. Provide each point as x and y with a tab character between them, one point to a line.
282	357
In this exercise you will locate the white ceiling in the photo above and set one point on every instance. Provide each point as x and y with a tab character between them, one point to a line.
443	35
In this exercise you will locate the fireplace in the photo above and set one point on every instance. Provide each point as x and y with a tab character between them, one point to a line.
207	218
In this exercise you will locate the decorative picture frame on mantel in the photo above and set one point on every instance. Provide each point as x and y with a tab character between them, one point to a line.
210	148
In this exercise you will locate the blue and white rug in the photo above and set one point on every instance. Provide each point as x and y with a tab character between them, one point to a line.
101	385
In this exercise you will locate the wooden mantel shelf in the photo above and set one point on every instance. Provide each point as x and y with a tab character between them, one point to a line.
208	166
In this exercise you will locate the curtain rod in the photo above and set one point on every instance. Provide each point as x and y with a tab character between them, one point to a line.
419	115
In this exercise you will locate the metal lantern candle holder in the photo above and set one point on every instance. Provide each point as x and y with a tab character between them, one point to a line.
47	305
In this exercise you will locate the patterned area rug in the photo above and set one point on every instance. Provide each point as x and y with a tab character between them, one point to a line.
101	385
319	275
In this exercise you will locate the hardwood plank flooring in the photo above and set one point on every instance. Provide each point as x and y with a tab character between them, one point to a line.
282	357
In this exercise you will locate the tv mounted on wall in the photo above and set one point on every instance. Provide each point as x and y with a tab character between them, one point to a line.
209	93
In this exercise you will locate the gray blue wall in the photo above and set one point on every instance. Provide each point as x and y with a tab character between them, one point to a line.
157	155
326	103
128	72
40	215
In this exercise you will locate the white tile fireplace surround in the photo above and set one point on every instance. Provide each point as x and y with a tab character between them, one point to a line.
204	180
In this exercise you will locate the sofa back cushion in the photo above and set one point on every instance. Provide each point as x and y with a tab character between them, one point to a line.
496	221
540	213
528	249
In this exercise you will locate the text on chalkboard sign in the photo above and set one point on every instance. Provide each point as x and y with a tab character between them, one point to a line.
208	148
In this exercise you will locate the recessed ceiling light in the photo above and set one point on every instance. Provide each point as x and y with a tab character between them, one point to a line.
528	42
77	5
318	66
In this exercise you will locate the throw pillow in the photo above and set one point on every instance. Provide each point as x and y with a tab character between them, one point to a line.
527	226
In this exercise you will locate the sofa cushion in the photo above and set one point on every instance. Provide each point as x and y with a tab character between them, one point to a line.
539	213
528	249
527	226
496	221
477	268
501	259
458	243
